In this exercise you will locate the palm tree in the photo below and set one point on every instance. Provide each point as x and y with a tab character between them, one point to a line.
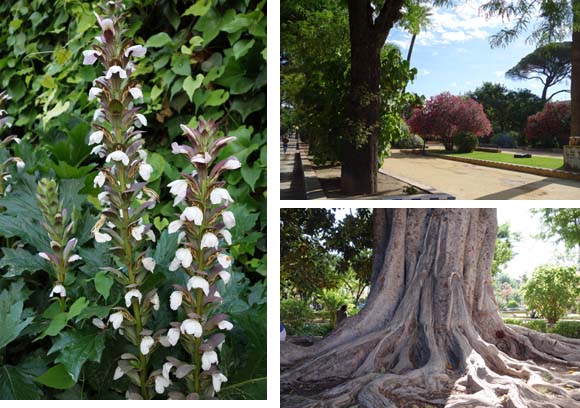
415	19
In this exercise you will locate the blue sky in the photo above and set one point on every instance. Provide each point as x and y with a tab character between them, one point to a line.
454	53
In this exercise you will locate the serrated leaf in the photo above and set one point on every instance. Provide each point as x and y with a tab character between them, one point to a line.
19	261
16	384
76	348
103	284
56	377
158	40
190	85
11	308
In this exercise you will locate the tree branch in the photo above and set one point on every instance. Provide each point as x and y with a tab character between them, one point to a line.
556	93
390	13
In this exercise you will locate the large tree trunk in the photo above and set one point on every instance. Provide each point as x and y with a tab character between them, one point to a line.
575	82
431	332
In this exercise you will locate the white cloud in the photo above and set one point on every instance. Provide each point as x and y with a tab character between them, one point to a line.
403	44
499	74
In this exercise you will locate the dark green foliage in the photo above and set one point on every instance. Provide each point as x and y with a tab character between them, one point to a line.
465	142
566	328
295	314
506	139
537	324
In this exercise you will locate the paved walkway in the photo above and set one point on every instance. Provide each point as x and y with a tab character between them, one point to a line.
290	188
470	182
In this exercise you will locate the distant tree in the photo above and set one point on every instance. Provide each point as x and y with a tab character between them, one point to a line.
550	64
551	291
444	115
415	18
561	223
551	126
504	251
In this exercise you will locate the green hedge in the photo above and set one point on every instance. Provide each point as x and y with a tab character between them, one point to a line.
567	328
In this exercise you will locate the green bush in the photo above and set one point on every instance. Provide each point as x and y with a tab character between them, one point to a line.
537	325
505	139
567	328
409	142
295	314
315	329
465	142
512	304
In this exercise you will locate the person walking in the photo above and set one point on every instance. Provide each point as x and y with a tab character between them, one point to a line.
285	142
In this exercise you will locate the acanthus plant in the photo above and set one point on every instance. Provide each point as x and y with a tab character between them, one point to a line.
124	195
5	158
59	226
203	241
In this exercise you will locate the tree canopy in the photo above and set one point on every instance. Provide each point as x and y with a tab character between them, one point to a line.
561	223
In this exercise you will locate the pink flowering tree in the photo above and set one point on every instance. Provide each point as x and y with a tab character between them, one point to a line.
445	115
551	126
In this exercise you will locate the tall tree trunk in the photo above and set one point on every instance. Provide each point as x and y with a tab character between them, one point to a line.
359	155
410	52
575	82
431	332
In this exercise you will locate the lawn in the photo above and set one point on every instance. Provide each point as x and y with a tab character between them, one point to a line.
535	161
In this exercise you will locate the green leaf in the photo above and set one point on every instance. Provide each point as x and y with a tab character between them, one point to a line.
19	261
77	307
217	98
200	8
158	163
103	284
251	174
56	111
190	85
11	307
160	223
55	326
246	107
76	348
158	40
155	92
242	47
180	65
17	384
56	377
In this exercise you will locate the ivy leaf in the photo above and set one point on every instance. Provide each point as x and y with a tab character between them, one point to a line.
158	163
246	107
200	8
17	384
56	377
158	40
11	307
242	47
251	174
76	348
190	85
180	65
103	284
217	98
19	261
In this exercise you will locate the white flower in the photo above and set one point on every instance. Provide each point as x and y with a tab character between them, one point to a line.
145	171
115	69
161	383
175	299
90	56
19	163
155	301
209	240
118	373
201	158
191	326
178	149
217	379
183	255
149	264
99	116
58	290
101	237
132	293
94	92
137	232
225	325
179	189
207	359
192	214
173	336
146	344
100	179
98	150
103	197
118	156
96	137
107	24
142	154
224	260
116	319
167	369
74	258
44	255
231	164
136	92
229	219
227	235
197	282
140	120
151	235
219	196
226	276
174	226
136	50
174	265
98	323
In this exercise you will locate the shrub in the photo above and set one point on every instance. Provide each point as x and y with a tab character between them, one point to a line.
465	142
506	139
411	141
551	126
444	115
512	304
295	314
567	328
551	291
537	325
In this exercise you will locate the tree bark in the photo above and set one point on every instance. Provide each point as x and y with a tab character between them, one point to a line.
575	77
430	332
410	52
368	33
